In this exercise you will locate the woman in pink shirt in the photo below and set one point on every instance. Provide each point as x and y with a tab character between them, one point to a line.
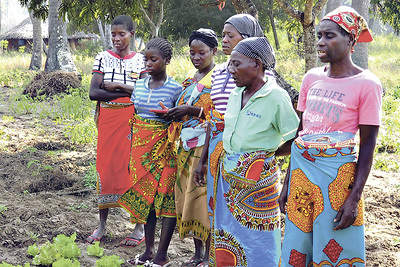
322	195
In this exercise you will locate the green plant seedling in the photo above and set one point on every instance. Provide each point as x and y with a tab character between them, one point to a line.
109	261
8	118
33	236
3	209
78	207
48	254
4	264
67	246
35	161
33	250
90	178
95	250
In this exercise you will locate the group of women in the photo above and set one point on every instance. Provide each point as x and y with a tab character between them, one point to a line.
219	183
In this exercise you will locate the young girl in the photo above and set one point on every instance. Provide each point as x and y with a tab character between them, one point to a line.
153	154
115	73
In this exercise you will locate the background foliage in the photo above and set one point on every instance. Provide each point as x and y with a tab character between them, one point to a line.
74	111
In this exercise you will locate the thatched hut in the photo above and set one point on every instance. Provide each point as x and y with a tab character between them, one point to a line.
22	35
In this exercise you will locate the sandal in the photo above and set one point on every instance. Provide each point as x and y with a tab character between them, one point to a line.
192	262
94	239
131	239
152	264
137	261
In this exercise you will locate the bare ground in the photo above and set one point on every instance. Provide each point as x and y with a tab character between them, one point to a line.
40	202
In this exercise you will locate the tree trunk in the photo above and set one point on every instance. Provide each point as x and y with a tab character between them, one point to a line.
37	49
45	48
0	16
332	4
272	19
59	55
132	45
307	19
101	31
107	35
310	51
154	27
245	6
360	55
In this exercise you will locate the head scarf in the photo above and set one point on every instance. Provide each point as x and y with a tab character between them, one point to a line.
257	48
207	36
352	22
246	25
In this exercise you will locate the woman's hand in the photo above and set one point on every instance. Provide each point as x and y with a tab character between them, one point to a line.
348	211
178	112
199	175
347	214
163	116
110	86
98	91
282	200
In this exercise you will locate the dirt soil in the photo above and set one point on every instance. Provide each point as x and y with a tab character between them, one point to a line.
41	202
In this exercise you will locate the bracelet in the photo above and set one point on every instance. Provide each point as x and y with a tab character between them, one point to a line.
201	111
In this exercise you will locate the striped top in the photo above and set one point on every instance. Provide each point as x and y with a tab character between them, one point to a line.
145	98
125	70
222	85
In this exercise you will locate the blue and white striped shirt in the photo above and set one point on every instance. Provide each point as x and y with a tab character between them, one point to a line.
145	98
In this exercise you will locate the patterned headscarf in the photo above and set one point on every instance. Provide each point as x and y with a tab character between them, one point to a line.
352	22
246	25
257	48
207	36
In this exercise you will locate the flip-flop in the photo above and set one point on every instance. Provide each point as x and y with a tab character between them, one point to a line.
192	262
98	239
152	264
131	239
137	261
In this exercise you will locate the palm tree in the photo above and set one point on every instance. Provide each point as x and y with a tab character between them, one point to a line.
360	55
59	55
36	59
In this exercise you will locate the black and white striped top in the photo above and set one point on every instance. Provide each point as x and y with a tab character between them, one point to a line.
121	70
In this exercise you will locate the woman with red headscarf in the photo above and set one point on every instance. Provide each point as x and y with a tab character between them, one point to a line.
322	195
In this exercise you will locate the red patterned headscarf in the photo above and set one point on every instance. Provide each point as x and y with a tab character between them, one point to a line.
352	22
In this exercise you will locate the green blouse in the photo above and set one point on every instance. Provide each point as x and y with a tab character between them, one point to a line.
267	118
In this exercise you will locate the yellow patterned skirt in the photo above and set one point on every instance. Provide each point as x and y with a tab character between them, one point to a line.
190	200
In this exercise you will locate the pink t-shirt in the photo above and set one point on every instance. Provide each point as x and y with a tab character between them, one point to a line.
339	104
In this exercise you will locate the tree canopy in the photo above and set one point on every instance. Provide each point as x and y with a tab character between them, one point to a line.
389	12
193	16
